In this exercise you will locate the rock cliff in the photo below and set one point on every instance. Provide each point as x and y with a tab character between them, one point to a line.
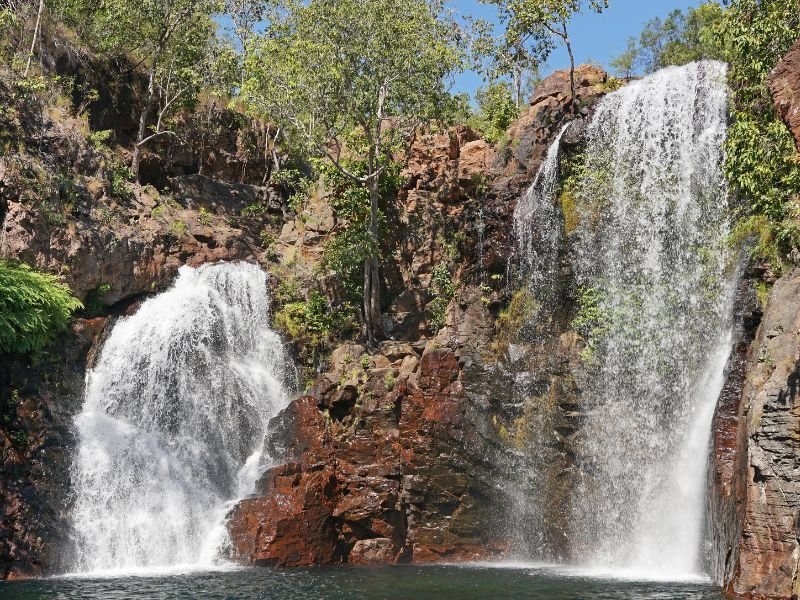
754	499
393	453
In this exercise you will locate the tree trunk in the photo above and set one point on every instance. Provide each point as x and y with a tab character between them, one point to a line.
35	37
571	69
372	271
140	135
517	84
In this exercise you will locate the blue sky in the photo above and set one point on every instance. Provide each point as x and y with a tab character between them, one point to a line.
596	37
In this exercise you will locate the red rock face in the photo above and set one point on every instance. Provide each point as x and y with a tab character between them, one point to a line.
784	83
371	478
757	484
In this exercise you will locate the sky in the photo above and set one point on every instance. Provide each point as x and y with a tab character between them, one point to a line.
595	37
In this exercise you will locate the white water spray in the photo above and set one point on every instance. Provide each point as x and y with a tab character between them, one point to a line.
173	425
652	253
537	222
652	261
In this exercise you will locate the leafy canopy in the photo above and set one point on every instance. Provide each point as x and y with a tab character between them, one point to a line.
325	68
34	307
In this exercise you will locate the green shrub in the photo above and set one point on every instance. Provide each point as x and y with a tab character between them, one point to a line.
204	216
119	177
312	322
34	307
443	291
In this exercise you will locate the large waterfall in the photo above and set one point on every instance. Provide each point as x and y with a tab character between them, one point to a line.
173	424
654	285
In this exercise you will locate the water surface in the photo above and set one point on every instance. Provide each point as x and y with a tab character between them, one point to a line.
395	582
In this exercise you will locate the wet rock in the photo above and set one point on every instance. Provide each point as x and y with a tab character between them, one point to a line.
404	460
376	551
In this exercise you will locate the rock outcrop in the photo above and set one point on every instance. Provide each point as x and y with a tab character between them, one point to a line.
758	477
407	453
390	459
784	83
754	491
37	402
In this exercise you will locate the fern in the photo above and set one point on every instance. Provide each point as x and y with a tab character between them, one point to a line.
34	307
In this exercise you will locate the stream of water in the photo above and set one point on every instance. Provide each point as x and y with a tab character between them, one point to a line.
655	282
173	423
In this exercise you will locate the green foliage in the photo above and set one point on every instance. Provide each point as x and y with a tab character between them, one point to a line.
535	27
681	38
204	216
179	228
348	81
344	254
761	160
443	291
99	139
326	68
34	307
296	184
119	177
254	210
496	111
626	64
312	322
591	321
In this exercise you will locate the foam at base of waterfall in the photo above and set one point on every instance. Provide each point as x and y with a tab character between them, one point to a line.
173	425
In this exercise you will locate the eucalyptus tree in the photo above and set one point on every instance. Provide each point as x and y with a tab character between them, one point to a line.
627	63
541	24
348	80
169	39
503	57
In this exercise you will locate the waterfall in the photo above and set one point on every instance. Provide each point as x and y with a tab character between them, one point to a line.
173	423
537	223
655	269
655	278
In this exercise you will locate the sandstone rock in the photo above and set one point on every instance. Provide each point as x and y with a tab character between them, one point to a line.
476	160
587	79
784	83
550	107
397	455
757	478
394	351
376	551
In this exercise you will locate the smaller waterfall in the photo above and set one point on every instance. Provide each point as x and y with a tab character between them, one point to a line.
173	423
537	222
539	235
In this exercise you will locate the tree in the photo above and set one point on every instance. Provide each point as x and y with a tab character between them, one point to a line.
496	110
626	63
681	38
168	38
540	24
498	58
348	79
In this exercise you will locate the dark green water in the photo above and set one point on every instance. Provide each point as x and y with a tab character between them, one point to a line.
400	582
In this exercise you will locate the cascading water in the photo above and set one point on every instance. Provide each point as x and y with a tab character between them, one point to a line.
539	236
174	420
655	277
537	223
653	260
